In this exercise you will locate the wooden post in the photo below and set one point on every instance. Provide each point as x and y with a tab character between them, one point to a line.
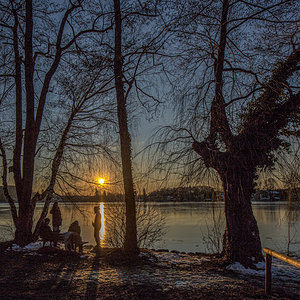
268	274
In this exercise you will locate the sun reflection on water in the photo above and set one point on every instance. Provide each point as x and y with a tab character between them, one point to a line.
102	230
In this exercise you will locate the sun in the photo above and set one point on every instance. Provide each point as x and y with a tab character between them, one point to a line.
101	181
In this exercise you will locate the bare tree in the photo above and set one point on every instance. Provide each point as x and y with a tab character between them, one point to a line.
234	108
130	243
150	225
36	55
129	67
213	236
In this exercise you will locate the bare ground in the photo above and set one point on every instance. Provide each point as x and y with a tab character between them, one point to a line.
56	274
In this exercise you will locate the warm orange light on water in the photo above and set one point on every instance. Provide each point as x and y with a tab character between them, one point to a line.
102	230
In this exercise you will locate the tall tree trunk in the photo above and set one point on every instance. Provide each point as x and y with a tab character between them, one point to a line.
130	243
23	234
241	241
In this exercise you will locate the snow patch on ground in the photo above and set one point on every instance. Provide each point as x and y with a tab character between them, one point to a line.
279	269
32	247
28	248
241	269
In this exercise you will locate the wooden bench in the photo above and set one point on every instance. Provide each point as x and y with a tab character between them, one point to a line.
51	238
73	241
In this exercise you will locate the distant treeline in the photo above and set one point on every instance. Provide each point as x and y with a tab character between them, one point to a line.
178	194
206	193
104	197
184	194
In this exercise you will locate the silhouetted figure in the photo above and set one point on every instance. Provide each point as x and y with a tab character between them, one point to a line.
97	225
47	234
56	217
74	227
74	240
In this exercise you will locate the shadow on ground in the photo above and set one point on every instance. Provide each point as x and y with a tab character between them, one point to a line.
57	274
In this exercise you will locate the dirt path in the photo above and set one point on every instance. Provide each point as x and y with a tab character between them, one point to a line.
60	275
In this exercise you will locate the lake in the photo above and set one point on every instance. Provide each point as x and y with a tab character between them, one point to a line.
189	226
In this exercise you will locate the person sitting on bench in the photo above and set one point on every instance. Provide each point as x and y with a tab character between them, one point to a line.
47	234
75	238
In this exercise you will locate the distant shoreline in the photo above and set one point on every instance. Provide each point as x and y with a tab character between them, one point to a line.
158	201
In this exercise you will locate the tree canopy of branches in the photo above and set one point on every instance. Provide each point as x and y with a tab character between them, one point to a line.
34	43
72	60
237	64
131	63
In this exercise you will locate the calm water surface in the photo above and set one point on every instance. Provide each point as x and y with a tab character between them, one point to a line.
185	223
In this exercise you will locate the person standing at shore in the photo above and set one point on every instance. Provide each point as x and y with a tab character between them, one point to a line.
97	226
56	217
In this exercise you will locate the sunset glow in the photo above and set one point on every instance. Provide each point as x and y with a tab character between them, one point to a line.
101	181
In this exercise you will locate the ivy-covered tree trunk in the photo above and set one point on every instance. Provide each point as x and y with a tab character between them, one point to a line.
241	241
237	154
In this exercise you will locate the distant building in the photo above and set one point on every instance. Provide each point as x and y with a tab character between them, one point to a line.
269	195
